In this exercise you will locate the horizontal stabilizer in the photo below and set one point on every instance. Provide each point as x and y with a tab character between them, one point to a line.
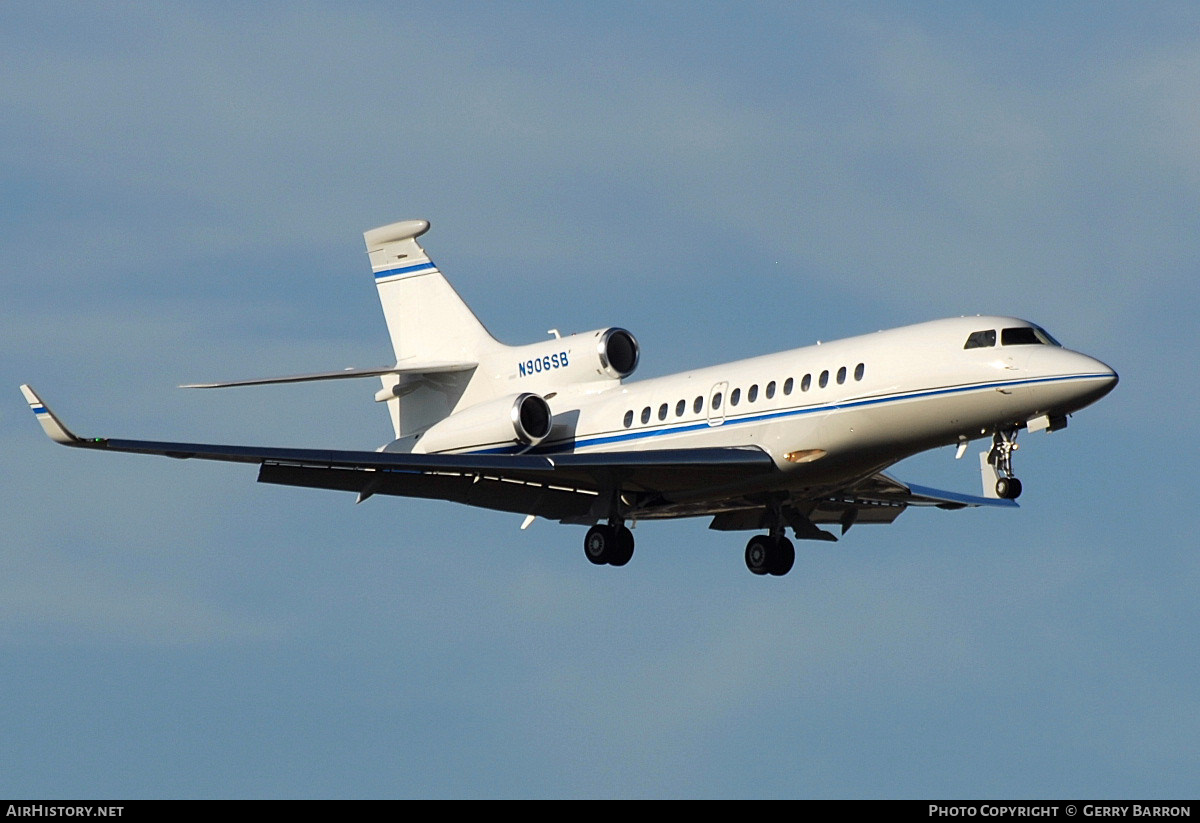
444	367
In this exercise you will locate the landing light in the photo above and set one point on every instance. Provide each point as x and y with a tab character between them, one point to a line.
804	455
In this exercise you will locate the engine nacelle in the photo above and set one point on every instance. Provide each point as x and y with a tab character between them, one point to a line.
517	420
603	354
618	352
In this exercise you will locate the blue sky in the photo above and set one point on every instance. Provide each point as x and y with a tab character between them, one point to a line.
185	187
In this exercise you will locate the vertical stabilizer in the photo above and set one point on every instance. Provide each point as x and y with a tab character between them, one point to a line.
428	323
426	318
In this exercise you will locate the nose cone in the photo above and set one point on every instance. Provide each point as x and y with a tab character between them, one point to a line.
1110	377
1095	380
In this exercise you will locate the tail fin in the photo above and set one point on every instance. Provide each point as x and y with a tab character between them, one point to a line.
429	324
426	318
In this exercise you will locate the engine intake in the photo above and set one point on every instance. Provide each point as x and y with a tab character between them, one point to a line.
619	352
517	420
531	418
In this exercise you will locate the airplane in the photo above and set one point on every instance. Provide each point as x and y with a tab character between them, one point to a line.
552	429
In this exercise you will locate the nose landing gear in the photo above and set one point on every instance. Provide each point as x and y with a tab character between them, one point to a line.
1004	443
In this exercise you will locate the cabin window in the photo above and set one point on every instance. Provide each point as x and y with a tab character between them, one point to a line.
698	405
629	418
646	415
662	412
735	397
824	381
841	375
716	403
787	386
680	408
859	371
981	339
770	389
752	393
806	383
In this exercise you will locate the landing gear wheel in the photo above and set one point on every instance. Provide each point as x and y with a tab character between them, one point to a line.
758	554
1008	488
611	545
599	544
783	556
622	549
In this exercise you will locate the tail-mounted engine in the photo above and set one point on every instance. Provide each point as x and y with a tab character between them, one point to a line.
618	352
516	420
603	354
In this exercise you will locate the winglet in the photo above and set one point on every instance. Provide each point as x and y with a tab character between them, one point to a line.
53	427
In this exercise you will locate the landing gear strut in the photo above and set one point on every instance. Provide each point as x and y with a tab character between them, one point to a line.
610	544
1004	443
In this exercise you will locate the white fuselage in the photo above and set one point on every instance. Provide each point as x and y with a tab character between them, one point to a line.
852	405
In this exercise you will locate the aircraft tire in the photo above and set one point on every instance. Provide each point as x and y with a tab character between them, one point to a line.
1008	488
599	544
759	554
622	550
783	556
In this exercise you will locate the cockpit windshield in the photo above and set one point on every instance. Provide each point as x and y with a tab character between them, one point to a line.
981	339
1026	336
1017	336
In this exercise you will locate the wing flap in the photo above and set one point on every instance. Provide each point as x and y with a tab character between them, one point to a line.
546	499
666	470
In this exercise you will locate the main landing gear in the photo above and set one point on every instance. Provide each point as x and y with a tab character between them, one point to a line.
770	554
1004	443
610	544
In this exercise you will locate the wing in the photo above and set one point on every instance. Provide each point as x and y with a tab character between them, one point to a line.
879	498
573	488
568	487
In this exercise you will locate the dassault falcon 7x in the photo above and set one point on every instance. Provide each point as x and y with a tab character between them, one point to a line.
793	440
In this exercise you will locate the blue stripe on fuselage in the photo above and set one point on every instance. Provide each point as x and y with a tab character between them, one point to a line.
605	439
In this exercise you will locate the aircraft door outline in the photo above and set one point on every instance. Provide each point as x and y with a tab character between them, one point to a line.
716	404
